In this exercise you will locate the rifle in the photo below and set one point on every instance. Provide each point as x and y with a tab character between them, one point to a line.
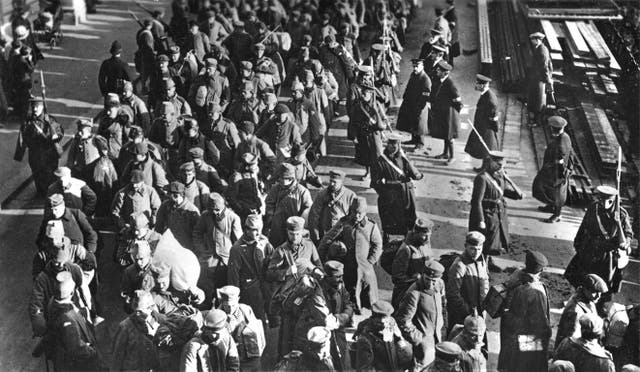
151	13
43	91
622	254
269	34
135	17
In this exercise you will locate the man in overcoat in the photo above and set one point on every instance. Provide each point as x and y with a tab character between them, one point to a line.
445	110
413	116
329	206
485	120
540	81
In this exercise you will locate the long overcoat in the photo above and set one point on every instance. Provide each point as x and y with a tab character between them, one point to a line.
413	115
486	123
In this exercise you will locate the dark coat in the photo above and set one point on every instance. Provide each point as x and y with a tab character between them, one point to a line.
282	203
551	183
77	196
221	355
371	351
279	136
527	314
340	64
396	202
488	206
445	110
585	357
422	318
340	305
180	219
540	71
113	72
153	173
211	152
133	348
569	325
485	121
467	286
408	264
76	227
413	116
366	123
74	339
327	209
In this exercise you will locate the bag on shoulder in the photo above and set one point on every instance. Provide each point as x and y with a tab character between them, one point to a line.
389	254
291	295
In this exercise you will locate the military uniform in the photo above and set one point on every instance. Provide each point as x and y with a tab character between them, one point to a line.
180	219
445	110
539	74
128	201
408	263
224	135
281	203
77	195
366	123
413	115
113	72
485	120
327	209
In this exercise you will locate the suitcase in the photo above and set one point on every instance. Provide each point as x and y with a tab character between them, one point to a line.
495	301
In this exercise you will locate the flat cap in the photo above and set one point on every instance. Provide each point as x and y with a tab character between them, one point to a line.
187	167
190	123
140	220
557	122
56	200
162	58
336	173
64	276
140	149
382	307
358	205
211	62
595	283
448	351
337	249
423	224
416	61
176	187
62	172
246	65
247	127
128	86
295	223
535	262
249	158
318	335
444	65
591	322
254	222
229	291
216	319
174	49
287	170
81	123
137	176
281	108
607	191
112	98
537	35
497	154
216	201
54	229
196	153
334	268
168	83
433	269
329	39
482	78
474	238
238	23
439	48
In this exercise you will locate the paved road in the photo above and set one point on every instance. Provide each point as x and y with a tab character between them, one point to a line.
442	195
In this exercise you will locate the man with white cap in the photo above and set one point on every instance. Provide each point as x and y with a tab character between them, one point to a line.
75	224
488	213
602	243
329	205
585	352
77	194
525	327
55	240
314	357
539	74
247	265
550	185
583	301
422	313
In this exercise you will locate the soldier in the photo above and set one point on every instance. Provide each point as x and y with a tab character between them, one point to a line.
488	213
303	170
408	262
167	299
414	111
21	65
525	327
225	137
367	121
451	16
195	191
113	71
216	231
329	206
339	304
447	358
166	132
114	127
178	215
285	199
585	352
133	344
315	356
247	265
467	280
152	172
602	240
337	60
204	173
75	346
209	90
266	108
53	241
281	132
135	197
379	342
213	349
238	43
583	301
77	194
198	42
446	105
169	94
539	75
250	143
138	275
128	151
243	106
362	243
432	59
137	230
470	341
391	176
320	102
141	116
304	113
485	120
41	134
195	138
265	64
422	313
83	152
183	69
158	81
145	56
550	185
214	30
247	190
75	223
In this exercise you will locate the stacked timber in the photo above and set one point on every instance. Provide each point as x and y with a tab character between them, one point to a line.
509	40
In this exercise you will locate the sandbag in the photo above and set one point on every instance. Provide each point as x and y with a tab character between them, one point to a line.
185	268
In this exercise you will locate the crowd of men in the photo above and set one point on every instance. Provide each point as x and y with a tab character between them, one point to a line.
206	144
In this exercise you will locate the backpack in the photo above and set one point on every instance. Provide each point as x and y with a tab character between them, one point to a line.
389	254
292	294
446	260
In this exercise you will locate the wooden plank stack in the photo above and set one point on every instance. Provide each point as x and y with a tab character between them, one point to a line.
484	33
509	42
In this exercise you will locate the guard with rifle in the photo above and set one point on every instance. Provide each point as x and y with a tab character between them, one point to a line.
488	206
602	243
41	134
